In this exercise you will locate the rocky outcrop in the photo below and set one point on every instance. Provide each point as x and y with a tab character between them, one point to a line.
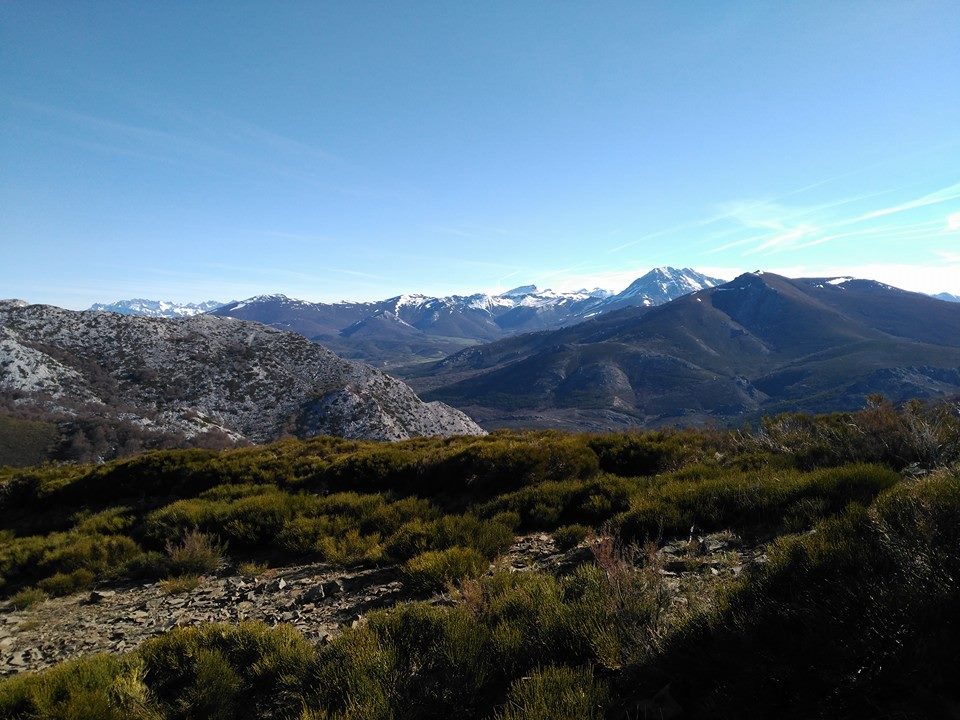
205	373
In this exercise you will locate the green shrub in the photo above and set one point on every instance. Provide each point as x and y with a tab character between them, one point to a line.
67	583
410	539
556	693
148	565
569	536
434	569
98	687
195	554
547	505
917	433
351	548
180	584
112	521
634	454
716	499
251	569
489	537
497	464
98	554
229	671
27	598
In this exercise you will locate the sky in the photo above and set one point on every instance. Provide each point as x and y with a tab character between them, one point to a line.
355	151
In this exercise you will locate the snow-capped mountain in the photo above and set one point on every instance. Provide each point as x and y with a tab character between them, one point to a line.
659	286
414	327
139	307
947	297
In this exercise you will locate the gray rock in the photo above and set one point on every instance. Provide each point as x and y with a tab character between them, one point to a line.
322	591
100	595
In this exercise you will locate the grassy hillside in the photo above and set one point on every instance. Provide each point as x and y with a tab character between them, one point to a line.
852	613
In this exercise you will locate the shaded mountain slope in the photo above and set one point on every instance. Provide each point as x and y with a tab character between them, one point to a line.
759	342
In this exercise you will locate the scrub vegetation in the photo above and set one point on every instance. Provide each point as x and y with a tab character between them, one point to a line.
854	612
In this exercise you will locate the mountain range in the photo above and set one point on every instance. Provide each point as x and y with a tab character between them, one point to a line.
202	375
408	329
675	347
139	307
761	343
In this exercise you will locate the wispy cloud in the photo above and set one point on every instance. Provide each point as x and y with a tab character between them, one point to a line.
951	192
142	135
207	140
777	228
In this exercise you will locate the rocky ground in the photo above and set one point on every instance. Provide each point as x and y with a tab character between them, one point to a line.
315	598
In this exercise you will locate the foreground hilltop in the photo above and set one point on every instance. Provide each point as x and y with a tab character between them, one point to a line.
201	376
805	569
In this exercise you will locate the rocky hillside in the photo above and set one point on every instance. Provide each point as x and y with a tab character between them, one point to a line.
200	375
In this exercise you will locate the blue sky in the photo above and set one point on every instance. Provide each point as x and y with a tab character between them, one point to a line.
354	151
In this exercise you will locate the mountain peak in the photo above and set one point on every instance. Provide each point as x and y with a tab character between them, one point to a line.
520	291
663	284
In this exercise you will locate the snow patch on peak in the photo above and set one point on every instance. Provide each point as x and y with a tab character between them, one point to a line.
141	307
520	291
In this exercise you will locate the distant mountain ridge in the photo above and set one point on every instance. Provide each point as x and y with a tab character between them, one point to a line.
760	343
202	374
139	307
413	328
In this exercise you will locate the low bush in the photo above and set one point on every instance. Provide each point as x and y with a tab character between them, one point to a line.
569	536
547	505
650	453
98	687
556	693
488	537
927	435
251	569
180	584
716	499
27	597
66	583
195	554
228	671
148	565
435	569
351	548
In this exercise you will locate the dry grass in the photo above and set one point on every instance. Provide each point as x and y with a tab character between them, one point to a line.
179	585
